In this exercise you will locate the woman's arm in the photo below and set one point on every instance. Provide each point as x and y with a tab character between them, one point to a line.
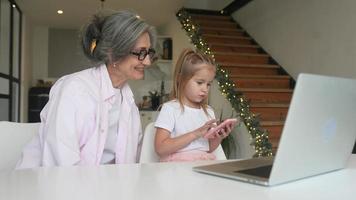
66	119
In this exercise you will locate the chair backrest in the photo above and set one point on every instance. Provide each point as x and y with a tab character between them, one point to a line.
219	153
13	138
148	153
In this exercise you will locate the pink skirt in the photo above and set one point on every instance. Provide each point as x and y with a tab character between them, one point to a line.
187	156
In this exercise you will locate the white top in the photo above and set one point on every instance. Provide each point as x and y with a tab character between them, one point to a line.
179	122
162	181
114	116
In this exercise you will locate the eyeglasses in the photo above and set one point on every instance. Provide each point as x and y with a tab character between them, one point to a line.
141	54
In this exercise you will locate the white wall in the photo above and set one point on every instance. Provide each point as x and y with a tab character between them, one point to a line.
26	67
39	52
65	54
179	37
315	36
56	52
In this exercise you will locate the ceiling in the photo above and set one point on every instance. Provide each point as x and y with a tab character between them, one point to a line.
78	12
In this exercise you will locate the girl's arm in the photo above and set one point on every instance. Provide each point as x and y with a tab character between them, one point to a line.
165	145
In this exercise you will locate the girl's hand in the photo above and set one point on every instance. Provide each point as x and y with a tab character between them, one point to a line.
200	132
215	141
223	133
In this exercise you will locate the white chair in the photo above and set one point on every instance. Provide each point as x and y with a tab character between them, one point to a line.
148	153
13	138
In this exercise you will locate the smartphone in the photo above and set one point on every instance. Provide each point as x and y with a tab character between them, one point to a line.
210	134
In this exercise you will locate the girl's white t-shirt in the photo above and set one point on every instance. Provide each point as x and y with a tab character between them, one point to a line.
179	122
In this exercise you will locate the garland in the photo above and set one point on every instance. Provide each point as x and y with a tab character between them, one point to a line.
227	87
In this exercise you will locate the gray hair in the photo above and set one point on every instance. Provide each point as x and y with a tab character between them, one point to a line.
114	36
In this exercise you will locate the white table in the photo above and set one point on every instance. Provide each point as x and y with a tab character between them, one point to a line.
164	181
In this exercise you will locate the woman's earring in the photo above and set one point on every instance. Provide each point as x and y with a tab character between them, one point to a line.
114	65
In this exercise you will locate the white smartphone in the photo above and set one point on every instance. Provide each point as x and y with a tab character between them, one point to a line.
211	132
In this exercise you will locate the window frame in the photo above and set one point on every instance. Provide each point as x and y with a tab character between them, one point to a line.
12	80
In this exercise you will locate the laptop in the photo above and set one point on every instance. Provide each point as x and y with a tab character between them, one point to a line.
318	135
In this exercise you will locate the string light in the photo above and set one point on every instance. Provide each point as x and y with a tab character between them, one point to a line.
227	87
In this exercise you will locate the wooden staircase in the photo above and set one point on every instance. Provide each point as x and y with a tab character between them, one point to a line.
264	83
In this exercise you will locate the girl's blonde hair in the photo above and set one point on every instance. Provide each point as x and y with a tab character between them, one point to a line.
189	62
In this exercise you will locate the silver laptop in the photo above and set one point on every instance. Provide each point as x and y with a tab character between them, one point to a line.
318	135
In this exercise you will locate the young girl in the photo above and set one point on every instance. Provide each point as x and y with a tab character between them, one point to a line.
185	119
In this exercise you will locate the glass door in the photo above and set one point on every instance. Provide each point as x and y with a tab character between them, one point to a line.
10	60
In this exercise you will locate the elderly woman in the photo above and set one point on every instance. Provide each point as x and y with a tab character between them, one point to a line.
91	117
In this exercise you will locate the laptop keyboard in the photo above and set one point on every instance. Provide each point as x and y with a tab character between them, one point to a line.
263	171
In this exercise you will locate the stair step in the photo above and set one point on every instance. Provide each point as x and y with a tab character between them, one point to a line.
267	95
275	112
260	76
269	90
234	45
261	81
250	69
239	40
275	143
274	128
241	54
270	105
224	36
231	64
214	20
212	23
236	49
272	123
219	31
241	58
211	17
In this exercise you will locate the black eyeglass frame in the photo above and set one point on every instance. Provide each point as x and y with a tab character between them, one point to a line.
142	53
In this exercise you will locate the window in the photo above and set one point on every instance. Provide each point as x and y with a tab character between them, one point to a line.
10	60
